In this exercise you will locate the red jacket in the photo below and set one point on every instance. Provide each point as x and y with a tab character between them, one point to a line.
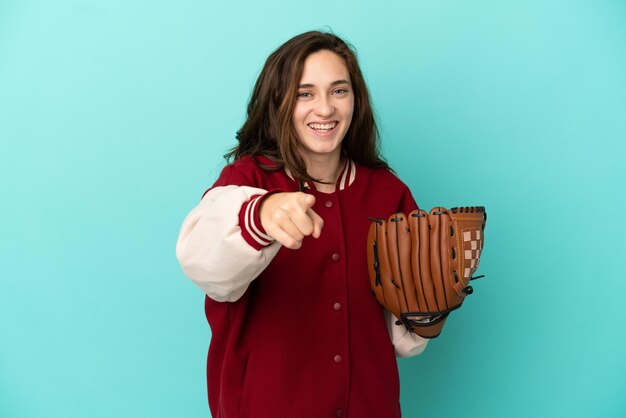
305	338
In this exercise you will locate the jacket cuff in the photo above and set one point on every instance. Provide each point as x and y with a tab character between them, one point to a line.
405	343
410	345
251	229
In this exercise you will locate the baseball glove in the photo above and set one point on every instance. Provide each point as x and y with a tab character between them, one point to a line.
420	265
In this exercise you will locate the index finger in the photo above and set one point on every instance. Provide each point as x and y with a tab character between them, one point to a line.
318	223
308	200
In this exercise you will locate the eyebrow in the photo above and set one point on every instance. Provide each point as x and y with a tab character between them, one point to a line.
334	83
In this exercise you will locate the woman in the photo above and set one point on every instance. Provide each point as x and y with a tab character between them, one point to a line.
278	245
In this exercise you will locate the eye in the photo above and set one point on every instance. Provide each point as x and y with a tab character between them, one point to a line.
341	91
304	94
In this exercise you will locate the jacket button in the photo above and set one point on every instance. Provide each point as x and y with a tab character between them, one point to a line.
340	412
338	358
336	257
329	204
337	306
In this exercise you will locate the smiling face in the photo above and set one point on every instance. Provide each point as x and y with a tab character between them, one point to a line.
324	106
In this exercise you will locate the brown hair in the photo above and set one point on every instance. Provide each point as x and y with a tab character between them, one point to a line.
269	131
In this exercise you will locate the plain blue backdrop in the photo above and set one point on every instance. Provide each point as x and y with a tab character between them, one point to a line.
114	116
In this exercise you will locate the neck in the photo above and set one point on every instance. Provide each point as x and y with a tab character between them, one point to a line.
325	169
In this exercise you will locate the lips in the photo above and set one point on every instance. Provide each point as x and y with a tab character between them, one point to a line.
323	128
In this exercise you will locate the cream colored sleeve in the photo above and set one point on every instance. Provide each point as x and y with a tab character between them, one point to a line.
405	343
211	249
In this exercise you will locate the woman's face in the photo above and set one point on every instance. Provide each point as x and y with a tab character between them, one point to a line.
324	106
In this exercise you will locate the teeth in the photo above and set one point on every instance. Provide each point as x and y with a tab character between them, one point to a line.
323	126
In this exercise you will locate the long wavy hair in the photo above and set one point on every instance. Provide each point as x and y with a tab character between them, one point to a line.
268	129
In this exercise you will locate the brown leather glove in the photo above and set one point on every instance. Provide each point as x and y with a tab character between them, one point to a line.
420	265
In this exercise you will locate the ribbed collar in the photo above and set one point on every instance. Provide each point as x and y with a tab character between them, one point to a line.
347	175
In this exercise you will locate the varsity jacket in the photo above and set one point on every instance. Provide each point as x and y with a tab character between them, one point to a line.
295	333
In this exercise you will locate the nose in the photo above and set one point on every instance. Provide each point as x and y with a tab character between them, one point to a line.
324	107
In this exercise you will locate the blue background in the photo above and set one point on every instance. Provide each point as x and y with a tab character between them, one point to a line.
114	116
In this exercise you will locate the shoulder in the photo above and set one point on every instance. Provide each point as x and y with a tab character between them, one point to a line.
381	177
256	171
245	171
387	186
